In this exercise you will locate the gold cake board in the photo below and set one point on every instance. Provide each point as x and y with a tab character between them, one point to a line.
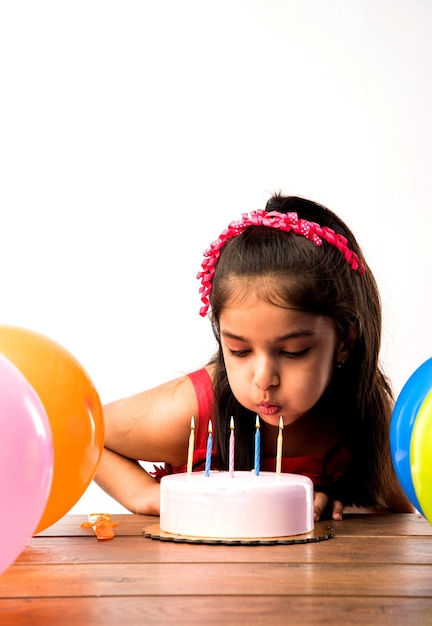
321	532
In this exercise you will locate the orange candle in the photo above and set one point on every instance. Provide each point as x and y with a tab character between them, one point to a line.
231	448
191	447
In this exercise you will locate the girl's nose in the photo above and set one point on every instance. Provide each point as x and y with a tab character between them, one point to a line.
265	375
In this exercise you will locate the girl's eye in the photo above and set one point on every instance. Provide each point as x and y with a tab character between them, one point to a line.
239	353
294	355
285	353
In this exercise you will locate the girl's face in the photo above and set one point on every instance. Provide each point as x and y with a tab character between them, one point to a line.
279	361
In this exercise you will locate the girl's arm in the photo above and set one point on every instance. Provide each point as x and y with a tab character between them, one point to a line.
127	482
151	426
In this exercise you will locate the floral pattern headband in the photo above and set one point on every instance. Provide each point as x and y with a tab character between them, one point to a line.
281	221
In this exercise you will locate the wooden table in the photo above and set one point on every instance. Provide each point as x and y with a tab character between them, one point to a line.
376	570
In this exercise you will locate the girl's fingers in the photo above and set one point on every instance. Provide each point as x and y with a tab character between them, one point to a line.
321	500
337	506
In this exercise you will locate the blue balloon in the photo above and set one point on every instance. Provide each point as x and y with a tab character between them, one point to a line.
403	418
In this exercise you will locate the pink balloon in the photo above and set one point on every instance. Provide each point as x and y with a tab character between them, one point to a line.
26	462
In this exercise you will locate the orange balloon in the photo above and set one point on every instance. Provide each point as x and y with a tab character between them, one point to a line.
74	410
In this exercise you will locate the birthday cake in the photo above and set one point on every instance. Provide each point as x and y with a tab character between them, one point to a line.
236	505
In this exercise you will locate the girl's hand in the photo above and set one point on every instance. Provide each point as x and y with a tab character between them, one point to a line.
321	501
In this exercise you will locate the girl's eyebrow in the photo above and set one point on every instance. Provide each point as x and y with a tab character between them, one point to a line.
293	335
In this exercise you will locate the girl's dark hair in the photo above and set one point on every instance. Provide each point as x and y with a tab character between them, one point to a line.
359	397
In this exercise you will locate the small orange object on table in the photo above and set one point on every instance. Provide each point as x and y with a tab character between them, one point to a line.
101	525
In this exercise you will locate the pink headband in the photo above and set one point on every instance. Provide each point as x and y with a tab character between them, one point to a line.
282	221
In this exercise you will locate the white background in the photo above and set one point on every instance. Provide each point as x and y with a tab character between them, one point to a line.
132	132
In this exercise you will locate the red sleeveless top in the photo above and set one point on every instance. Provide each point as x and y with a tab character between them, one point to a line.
311	466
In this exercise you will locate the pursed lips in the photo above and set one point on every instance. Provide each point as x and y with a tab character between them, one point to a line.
269	408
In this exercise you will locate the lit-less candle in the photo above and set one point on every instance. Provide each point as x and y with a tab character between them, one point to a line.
209	448
257	446
231	448
279	447
191	447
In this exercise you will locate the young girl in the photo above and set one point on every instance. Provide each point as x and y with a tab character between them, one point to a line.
297	318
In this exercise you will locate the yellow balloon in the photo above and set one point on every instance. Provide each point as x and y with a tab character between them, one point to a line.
421	456
74	412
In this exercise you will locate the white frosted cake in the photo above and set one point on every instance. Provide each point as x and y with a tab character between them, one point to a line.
240	506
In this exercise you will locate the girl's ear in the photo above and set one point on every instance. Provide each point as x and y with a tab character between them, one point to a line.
346	345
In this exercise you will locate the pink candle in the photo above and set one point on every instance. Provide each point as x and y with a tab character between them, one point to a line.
279	447
231	448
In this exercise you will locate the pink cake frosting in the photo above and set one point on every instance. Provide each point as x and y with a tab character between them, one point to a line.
240	506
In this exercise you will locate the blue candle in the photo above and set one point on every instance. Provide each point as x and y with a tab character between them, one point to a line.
209	449
257	446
